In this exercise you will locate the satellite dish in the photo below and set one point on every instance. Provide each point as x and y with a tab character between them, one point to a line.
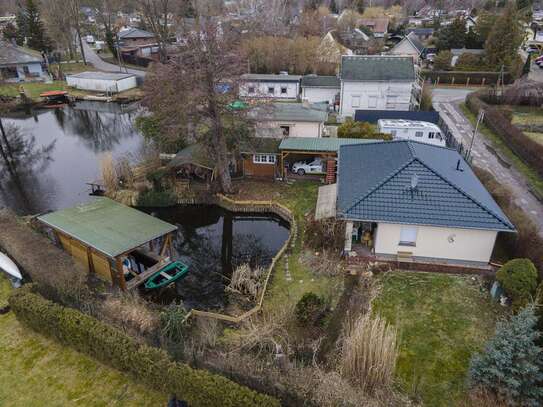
414	181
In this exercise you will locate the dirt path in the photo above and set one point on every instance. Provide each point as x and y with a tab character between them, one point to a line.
448	104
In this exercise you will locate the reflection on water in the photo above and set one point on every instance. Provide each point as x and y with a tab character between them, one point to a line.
213	242
55	152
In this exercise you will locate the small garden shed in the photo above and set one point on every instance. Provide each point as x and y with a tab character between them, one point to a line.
116	242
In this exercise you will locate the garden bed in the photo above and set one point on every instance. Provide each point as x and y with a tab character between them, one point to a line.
442	320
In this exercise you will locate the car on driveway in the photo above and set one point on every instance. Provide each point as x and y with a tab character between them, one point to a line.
312	167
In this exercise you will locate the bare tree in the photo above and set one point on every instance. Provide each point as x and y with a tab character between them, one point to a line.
196	88
158	15
56	21
73	10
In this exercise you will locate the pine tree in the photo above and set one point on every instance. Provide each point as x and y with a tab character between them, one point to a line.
33	27
453	35
504	39
512	364
22	30
333	7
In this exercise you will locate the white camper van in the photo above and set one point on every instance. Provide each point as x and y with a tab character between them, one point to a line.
424	132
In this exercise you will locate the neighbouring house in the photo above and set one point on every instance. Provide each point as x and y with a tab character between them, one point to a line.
331	49
412	202
282	86
421	33
279	120
114	242
378	26
108	82
260	158
411	46
138	43
457	52
372	82
321	89
18	64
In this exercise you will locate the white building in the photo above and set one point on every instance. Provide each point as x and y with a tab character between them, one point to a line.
281	120
320	89
282	86
18	64
102	81
424	132
410	45
371	82
413	202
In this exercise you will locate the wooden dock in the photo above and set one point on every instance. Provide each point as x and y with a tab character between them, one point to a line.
141	278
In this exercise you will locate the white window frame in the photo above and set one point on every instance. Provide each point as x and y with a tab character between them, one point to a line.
269	159
408	236
251	89
391	102
431	135
271	90
285	89
355	101
372	102
419	134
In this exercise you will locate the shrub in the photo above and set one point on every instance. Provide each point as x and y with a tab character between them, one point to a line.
310	309
518	278
326	234
146	364
354	129
156	199
442	61
511	366
369	353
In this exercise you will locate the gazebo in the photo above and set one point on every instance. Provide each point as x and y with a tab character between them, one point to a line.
117	243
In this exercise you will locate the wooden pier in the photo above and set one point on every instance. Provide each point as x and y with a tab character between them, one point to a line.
143	277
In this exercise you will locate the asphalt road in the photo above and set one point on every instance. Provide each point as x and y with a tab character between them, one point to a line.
101	65
447	102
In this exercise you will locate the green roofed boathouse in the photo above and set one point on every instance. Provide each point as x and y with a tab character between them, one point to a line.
115	242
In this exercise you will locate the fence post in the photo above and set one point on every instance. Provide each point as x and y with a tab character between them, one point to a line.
437	81
452	81
467	82
483	81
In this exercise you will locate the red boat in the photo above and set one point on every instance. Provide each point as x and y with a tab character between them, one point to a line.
55	98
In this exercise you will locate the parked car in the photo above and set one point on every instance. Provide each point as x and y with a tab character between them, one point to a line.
539	60
532	49
314	167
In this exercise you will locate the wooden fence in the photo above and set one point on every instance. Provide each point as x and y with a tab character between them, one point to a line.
253	207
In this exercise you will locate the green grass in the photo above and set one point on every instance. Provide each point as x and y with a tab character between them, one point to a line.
525	115
442	320
32	89
530	174
38	371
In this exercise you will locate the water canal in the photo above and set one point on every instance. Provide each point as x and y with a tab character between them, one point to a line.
56	152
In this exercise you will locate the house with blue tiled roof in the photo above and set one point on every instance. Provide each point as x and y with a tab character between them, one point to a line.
415	201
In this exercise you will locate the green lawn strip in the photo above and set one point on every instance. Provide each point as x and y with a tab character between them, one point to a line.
442	320
301	198
38	371
525	115
500	145
32	89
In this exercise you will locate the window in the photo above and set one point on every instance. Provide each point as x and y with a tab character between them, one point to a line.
372	102
271	90
355	101
264	159
393	133
419	134
439	136
26	69
285	130
251	89
283	90
391	102
431	134
408	236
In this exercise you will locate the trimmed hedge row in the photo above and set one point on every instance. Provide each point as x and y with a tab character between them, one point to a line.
148	365
529	151
461	77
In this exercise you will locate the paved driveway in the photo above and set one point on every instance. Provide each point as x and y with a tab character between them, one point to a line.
447	102
101	65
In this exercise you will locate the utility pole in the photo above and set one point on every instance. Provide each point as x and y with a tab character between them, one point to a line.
480	118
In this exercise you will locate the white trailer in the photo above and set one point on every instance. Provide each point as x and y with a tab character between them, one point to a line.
424	132
107	82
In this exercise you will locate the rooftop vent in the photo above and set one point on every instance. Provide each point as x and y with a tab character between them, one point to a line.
458	167
414	182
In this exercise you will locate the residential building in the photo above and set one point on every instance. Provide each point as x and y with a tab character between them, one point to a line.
411	46
319	89
421	33
378	26
331	49
376	83
410	201
282	86
109	82
18	64
138	43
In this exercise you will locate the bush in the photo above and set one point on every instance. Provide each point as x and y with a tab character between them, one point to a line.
148	365
326	234
471	62
518	278
156	199
364	130
511	366
310	309
442	61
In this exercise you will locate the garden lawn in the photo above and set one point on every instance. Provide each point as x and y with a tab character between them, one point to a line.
300	197
527	115
531	175
36	371
442	320
32	89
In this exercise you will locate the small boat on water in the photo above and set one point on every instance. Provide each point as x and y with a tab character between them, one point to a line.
55	98
167	275
10	268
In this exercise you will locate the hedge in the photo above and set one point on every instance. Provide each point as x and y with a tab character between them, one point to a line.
528	150
461	77
146	364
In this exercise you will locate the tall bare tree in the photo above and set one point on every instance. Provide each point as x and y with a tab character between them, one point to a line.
73	9
196	88
158	15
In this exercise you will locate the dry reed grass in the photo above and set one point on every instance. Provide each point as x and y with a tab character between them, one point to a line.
109	174
369	353
247	281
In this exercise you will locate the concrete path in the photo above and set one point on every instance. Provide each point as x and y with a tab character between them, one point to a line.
326	202
101	65
447	102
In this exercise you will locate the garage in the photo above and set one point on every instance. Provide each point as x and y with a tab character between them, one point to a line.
102	81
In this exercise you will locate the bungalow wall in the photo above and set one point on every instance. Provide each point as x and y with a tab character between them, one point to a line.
295	129
102	85
437	242
317	95
261	89
252	169
360	95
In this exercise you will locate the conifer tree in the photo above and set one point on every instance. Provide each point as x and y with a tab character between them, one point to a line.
511	366
333	7
504	39
30	27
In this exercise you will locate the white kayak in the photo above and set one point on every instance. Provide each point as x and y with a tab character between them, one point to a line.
8	266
